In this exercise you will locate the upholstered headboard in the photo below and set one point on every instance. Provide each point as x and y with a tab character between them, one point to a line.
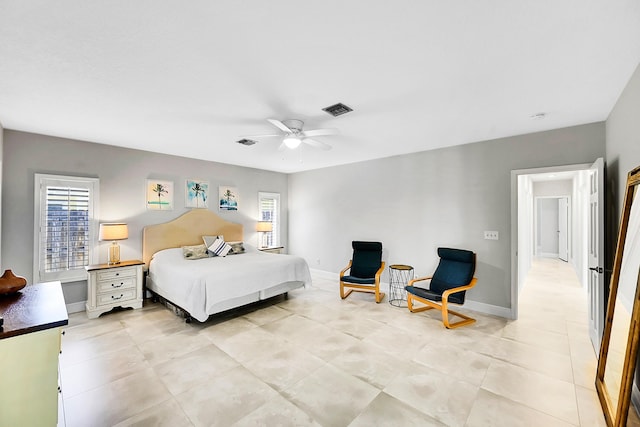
187	229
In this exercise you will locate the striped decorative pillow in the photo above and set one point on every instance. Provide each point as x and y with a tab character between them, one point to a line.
219	247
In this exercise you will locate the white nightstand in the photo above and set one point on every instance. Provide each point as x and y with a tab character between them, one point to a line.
113	285
273	250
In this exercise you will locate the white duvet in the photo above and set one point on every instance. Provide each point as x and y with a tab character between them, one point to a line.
202	286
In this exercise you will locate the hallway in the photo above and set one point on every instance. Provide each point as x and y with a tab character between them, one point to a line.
553	316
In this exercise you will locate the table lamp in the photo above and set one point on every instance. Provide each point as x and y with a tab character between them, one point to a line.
264	227
114	231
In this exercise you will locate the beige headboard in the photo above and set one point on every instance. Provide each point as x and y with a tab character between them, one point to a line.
187	229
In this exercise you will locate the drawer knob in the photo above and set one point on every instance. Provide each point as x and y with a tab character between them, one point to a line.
114	297
117	274
113	285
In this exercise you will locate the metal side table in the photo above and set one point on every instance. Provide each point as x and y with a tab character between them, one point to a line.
399	276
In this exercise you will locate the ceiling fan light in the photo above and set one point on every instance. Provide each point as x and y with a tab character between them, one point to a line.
292	142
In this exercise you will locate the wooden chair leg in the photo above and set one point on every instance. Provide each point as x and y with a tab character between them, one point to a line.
343	295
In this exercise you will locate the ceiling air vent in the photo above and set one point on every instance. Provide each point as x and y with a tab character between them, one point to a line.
337	109
247	142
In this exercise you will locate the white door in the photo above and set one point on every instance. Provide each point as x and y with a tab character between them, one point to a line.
596	253
563	229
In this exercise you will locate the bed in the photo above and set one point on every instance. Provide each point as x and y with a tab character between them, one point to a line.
203	287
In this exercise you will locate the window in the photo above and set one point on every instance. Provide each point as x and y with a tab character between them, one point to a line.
269	206
65	227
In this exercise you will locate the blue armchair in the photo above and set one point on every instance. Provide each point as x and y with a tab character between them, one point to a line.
452	278
365	268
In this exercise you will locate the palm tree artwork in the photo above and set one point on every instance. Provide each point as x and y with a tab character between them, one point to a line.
228	199
197	193
161	191
159	195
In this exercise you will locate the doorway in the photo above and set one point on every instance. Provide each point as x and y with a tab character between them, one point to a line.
554	194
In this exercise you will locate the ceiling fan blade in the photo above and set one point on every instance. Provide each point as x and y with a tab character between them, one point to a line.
321	132
316	144
280	125
282	146
260	136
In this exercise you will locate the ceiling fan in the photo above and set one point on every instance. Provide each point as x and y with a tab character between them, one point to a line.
294	135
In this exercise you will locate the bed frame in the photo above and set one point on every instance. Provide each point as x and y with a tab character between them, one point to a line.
188	229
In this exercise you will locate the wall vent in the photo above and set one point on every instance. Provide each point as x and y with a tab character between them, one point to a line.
337	109
247	142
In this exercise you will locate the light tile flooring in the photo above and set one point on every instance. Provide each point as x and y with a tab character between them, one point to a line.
317	360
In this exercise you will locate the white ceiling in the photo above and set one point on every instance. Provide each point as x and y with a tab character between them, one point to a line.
190	77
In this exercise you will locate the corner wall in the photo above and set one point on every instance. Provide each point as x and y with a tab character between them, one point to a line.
123	173
417	202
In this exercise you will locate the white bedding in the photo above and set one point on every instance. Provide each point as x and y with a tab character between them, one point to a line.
203	286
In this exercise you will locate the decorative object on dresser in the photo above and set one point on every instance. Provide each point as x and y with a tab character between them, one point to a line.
110	286
30	342
264	227
10	283
114	231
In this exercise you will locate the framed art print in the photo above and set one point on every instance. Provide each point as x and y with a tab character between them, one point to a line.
197	193
228	198
159	195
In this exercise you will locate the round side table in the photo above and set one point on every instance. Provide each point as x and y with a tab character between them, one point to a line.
399	276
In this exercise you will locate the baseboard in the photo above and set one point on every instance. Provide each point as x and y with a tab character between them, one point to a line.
484	308
471	305
76	307
324	274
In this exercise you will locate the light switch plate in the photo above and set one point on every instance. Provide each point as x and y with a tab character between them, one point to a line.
491	235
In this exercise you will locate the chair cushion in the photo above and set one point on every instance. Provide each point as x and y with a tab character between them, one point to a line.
366	260
457	298
358	280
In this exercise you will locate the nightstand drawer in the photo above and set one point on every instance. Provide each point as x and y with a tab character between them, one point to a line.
117	284
114	297
118	273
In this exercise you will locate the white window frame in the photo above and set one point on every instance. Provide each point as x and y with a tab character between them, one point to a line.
275	234
40	183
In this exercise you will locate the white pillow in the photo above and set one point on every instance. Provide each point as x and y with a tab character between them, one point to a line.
220	247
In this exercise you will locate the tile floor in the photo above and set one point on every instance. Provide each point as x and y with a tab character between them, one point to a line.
316	360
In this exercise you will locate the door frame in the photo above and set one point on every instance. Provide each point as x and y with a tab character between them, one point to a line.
515	174
536	199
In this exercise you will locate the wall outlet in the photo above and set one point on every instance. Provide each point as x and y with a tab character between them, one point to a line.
491	235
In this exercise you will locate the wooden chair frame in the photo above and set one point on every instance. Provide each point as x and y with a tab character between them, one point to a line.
442	307
375	288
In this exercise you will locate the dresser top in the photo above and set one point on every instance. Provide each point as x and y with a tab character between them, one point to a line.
34	308
106	266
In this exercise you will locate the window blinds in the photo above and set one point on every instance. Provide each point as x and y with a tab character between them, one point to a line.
65	234
269	212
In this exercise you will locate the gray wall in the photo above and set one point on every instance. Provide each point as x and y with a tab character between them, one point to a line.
623	154
123	173
623	139
414	203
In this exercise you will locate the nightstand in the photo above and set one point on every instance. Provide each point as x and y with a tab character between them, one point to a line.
273	250
113	285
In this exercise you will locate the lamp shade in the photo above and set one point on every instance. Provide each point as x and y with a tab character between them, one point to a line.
113	231
264	226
